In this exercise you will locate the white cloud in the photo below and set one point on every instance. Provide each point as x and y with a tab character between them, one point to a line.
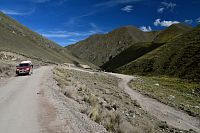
16	13
145	28
127	8
97	8
198	20
54	2
166	6
160	10
111	3
66	34
57	31
169	5
68	41
55	35
73	40
93	25
189	21
76	19
95	29
164	23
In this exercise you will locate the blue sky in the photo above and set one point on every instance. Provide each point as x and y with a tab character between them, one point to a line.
69	21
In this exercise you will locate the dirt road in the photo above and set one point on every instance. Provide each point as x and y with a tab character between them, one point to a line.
34	104
161	111
18	103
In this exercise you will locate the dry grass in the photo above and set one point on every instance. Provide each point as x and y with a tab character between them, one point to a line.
107	104
69	93
60	77
180	94
7	69
95	114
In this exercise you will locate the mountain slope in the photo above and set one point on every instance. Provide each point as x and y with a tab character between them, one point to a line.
17	38
180	57
139	49
171	32
133	52
99	49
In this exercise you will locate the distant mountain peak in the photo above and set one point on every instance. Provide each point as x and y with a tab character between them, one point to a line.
98	49
180	25
171	32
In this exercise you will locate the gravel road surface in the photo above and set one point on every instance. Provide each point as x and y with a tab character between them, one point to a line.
34	104
18	103
161	111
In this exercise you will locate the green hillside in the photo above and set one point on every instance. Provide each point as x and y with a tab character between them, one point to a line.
139	49
171	32
133	52
17	38
99	49
180	57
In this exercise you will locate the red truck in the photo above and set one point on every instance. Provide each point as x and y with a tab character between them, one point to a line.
24	68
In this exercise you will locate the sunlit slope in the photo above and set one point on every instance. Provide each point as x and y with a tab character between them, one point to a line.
100	48
180	57
139	49
17	38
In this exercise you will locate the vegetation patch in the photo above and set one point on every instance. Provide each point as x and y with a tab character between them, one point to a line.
131	53
177	93
180	57
107	104
6	69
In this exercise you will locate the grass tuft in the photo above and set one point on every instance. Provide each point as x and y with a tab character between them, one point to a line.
175	92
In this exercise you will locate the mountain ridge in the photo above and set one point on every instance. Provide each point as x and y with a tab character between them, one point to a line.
135	51
98	49
17	38
179	57
148	56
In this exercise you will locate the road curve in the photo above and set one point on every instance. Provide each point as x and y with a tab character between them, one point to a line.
173	117
161	111
18	103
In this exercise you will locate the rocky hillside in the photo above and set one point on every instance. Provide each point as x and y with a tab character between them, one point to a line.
98	49
179	57
17	38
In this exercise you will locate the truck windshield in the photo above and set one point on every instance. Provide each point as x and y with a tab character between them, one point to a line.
24	64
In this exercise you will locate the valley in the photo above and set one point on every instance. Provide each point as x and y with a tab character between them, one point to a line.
123	81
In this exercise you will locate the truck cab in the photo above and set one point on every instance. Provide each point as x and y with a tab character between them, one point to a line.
24	68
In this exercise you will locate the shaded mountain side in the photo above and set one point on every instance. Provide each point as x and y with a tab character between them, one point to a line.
133	52
180	57
171	32
17	38
139	49
100	48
